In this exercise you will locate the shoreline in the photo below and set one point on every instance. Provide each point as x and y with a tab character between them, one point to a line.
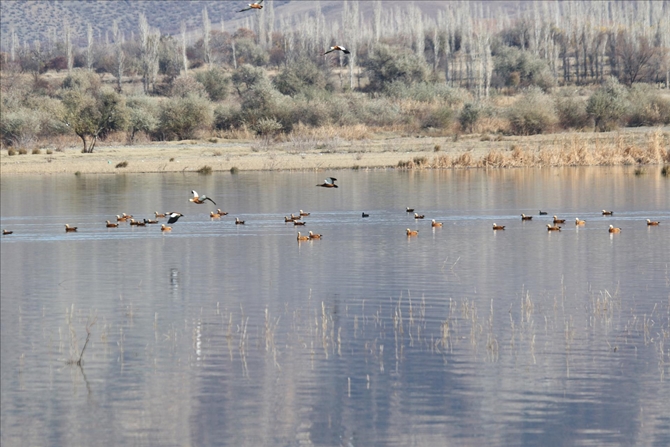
641	146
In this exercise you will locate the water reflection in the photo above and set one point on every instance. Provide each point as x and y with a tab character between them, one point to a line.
460	335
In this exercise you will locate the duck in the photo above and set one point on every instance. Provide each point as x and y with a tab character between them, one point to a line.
199	199
127	216
214	215
302	213
137	223
314	235
223	213
238	221
302	238
498	227
607	213
579	222
435	224
412	232
298	222
409	210
553	227
337	48
69	228
150	222
365	214
120	218
524	217
159	215
419	216
165	228
288	219
255	5
613	229
543	213
329	183
652	223
6	232
557	220
111	225
295	217
174	216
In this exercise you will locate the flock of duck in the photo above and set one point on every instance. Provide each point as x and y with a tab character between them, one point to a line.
173	217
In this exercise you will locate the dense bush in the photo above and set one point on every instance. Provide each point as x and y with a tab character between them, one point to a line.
187	85
608	105
647	108
533	113
216	83
469	116
303	76
571	111
142	117
518	68
181	118
246	77
392	64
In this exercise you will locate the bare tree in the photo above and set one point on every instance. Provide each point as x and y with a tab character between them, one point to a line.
89	46
206	29
69	51
184	57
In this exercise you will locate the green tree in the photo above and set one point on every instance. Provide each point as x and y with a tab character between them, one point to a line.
181	118
216	83
142	117
300	77
608	105
388	64
93	115
518	68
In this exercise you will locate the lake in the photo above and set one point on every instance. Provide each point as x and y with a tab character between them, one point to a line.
225	334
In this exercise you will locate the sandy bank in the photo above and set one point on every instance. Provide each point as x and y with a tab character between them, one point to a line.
629	146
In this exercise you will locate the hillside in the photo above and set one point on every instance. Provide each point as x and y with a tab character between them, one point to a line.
43	20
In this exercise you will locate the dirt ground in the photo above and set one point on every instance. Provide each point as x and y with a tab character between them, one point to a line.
380	151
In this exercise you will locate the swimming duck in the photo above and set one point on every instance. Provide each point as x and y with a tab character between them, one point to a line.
579	222
365	214
543	213
435	224
298	222
214	215
498	227
557	220
337	48
238	221
329	183
137	223
553	227
524	217
288	219
7	232
218	211
419	216
159	215
410	210
652	223
111	225
302	238
69	228
302	213
314	235
607	213
256	5
165	228
200	199
120	218
612	229
150	222
412	232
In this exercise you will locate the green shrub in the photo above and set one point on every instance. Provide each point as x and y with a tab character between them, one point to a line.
514	67
187	85
647	107
608	105
121	164
533	113
216	83
302	76
267	127
387	65
142	117
571	112
181	118
439	119
469	116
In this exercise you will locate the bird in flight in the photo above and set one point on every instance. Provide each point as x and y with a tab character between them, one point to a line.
329	183
174	216
256	5
337	48
200	199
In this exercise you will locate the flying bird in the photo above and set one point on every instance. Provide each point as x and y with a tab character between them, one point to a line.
174	216
337	48
329	183
200	199
256	5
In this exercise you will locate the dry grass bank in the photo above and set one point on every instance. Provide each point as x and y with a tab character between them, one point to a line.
356	147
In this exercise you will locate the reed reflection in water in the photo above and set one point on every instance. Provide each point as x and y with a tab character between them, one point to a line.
224	334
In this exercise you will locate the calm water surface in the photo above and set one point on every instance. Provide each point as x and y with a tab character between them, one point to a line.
223	334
